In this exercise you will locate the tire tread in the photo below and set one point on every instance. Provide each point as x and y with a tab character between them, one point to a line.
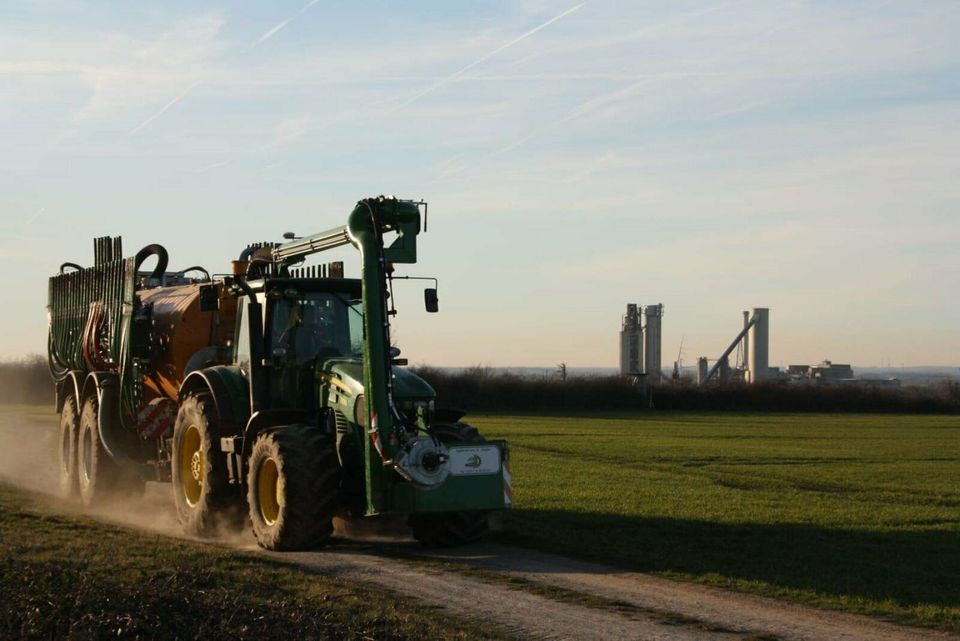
450	529
308	464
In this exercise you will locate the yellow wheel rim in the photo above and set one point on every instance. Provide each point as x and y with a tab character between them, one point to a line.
268	491
191	465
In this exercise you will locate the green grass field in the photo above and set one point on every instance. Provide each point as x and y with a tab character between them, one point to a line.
853	512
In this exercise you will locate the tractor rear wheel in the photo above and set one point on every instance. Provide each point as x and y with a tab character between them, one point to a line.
97	472
67	448
204	498
292	487
448	529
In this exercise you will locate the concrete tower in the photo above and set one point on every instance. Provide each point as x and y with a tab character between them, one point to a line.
653	314
631	343
758	363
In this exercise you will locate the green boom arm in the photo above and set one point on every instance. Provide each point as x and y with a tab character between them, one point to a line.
366	225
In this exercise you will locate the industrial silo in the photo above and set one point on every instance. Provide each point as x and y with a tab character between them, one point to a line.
653	314
758	363
631	343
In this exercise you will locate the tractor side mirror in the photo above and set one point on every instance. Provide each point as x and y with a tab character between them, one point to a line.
430	301
209	298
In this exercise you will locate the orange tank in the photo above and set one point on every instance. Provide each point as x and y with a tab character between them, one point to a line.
184	336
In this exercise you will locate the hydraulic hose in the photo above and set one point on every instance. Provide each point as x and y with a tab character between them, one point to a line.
153	250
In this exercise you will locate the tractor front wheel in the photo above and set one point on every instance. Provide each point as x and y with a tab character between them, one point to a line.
292	484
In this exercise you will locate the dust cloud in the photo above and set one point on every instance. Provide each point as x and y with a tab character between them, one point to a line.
28	460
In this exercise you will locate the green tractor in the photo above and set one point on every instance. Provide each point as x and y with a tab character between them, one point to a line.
272	396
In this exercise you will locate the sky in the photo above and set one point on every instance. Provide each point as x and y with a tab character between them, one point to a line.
710	156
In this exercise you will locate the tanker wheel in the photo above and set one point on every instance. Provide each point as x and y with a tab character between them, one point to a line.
292	487
67	449
97	473
448	529
204	498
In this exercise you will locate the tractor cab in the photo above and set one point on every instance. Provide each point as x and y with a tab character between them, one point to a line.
303	323
307	325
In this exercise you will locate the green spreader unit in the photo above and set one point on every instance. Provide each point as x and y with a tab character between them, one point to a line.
479	480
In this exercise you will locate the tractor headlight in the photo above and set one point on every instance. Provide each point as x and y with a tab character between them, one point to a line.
360	411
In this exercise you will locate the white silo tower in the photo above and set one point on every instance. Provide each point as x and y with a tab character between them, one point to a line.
654	360
758	364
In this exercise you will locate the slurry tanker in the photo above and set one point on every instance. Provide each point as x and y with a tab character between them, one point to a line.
271	396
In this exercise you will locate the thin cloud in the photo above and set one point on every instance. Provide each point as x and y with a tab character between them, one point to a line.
485	57
578	111
450	168
165	109
280	26
20	232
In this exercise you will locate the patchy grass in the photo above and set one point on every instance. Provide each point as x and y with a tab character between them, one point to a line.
851	512
66	577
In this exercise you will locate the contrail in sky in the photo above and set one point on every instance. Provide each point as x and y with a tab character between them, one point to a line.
596	102
212	166
280	26
449	167
166	108
487	56
33	218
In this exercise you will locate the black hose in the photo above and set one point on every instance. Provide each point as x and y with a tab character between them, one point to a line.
153	250
242	284
71	266
195	268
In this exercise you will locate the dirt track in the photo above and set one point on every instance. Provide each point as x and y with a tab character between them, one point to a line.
661	609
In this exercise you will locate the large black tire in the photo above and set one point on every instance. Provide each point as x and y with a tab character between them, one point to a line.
449	529
97	473
206	502
69	480
292	487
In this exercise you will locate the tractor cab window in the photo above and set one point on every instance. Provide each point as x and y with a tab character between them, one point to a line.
306	326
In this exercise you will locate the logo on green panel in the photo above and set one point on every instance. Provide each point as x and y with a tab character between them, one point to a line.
473	461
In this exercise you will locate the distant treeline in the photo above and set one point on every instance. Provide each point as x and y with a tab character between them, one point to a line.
484	389
26	381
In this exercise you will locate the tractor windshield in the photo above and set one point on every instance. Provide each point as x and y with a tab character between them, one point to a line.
306	326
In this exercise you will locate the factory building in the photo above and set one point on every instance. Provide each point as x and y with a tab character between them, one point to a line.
825	372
